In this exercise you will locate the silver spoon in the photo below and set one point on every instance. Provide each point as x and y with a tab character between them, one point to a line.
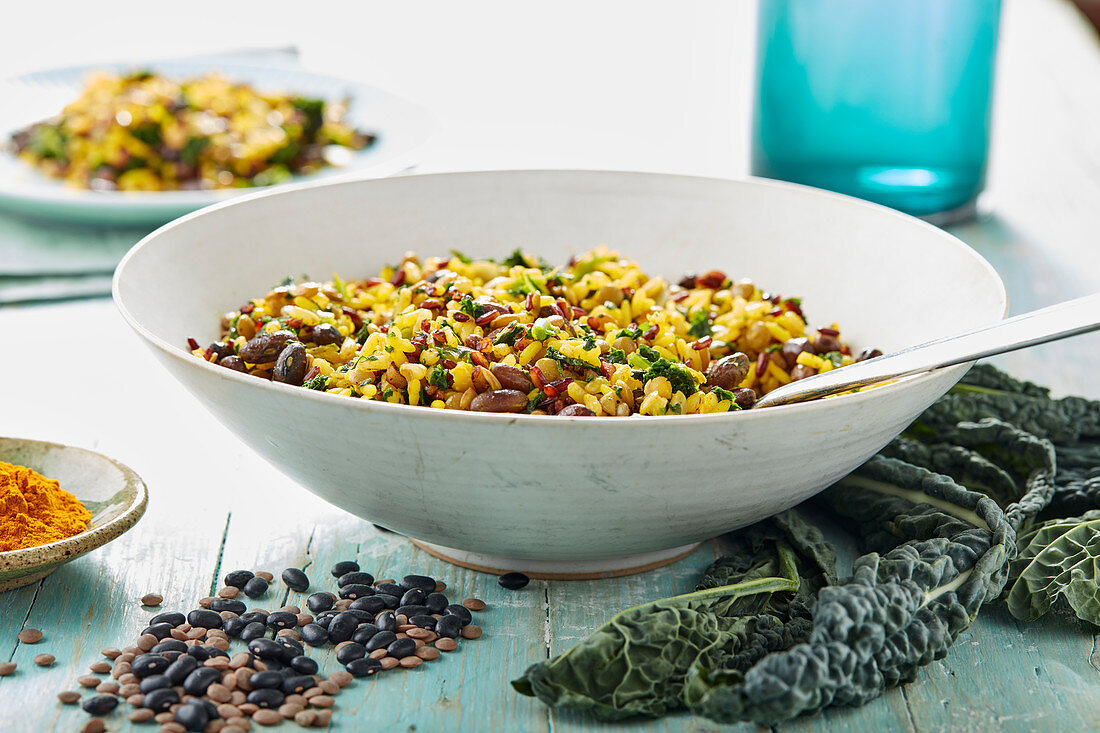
1037	327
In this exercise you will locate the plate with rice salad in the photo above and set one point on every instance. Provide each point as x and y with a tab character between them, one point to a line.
596	336
143	143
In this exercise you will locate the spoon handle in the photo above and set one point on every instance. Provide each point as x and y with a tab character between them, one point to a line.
1055	322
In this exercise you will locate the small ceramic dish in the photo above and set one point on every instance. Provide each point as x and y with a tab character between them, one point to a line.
114	494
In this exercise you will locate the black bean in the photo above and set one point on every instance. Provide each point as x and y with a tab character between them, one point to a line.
356	591
364	633
364	667
292	644
449	626
282	620
320	602
414	597
295	579
161	631
255	587
255	616
155	682
361	615
238	578
100	704
389	589
269	649
343	567
172	655
235	363
727	373
868	354
169	645
304	664
204	619
200	653
178	670
148	664
193	716
197	682
234	626
222	348
461	611
314	635
266	697
386	621
323	619
423	582
381	640
410	611
400	648
297	683
436	602
213	651
325	334
423	621
513	581
388	601
341	627
228	604
254	630
160	700
355	577
172	618
370	604
266	347
349	652
267	678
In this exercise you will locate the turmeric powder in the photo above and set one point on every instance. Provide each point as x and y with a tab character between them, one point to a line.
35	510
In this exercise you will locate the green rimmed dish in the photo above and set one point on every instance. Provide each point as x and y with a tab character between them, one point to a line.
112	492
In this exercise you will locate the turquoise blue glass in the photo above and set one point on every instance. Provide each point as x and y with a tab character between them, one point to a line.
887	100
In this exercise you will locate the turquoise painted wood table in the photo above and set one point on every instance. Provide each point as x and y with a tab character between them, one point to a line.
72	373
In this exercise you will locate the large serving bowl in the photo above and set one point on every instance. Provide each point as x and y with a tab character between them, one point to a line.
552	494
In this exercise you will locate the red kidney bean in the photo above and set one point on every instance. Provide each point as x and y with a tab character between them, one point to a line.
511	377
265	347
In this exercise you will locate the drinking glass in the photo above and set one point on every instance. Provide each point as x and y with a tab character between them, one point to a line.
887	100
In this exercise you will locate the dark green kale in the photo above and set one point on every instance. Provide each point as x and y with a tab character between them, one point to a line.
471	307
189	154
319	383
313	114
1059	559
725	394
581	364
616	356
749	602
439	377
700	324
677	374
511	333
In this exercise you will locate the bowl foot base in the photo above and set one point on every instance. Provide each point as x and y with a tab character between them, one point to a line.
22	580
558	569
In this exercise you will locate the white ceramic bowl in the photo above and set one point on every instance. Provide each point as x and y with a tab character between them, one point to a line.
550	494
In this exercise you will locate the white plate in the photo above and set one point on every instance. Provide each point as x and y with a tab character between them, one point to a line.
401	128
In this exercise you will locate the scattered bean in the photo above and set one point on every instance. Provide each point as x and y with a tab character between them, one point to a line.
68	697
446	644
44	660
7	668
474	604
152	599
100	704
295	579
30	636
513	581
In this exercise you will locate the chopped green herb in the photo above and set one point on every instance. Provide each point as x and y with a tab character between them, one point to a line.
362	334
318	383
189	154
725	394
471	307
511	333
438	377
700	324
633	331
616	356
835	357
286	282
552	353
460	257
677	374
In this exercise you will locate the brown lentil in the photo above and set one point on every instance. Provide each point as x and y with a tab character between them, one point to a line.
306	718
108	687
30	636
146	642
120	669
218	692
388	662
378	654
474	604
239	660
128	679
7	668
322	701
427	652
95	725
88	680
304	618
324	717
238	698
312	693
152	599
129	689
111	652
289	709
136	700
471	632
248	708
446	644
267	717
296	699
68	697
172	727
228	711
341	678
165	717
205	602
141	715
265	575
133	651
410	662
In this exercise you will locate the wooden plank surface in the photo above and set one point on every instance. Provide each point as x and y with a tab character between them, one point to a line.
215	506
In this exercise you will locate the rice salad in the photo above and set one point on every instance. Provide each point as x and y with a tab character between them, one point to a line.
595	337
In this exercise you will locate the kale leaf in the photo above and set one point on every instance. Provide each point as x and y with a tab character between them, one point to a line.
1059	558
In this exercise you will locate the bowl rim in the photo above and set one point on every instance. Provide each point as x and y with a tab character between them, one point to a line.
62	550
523	419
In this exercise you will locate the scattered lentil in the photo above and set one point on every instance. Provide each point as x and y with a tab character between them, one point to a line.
152	599
68	697
44	660
265	575
446	644
30	636
95	725
474	604
100	667
141	715
471	632
7	668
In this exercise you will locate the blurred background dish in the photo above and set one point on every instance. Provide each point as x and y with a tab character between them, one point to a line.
401	127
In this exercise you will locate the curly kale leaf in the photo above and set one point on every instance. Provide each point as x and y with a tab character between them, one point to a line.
1059	558
749	603
899	610
967	467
